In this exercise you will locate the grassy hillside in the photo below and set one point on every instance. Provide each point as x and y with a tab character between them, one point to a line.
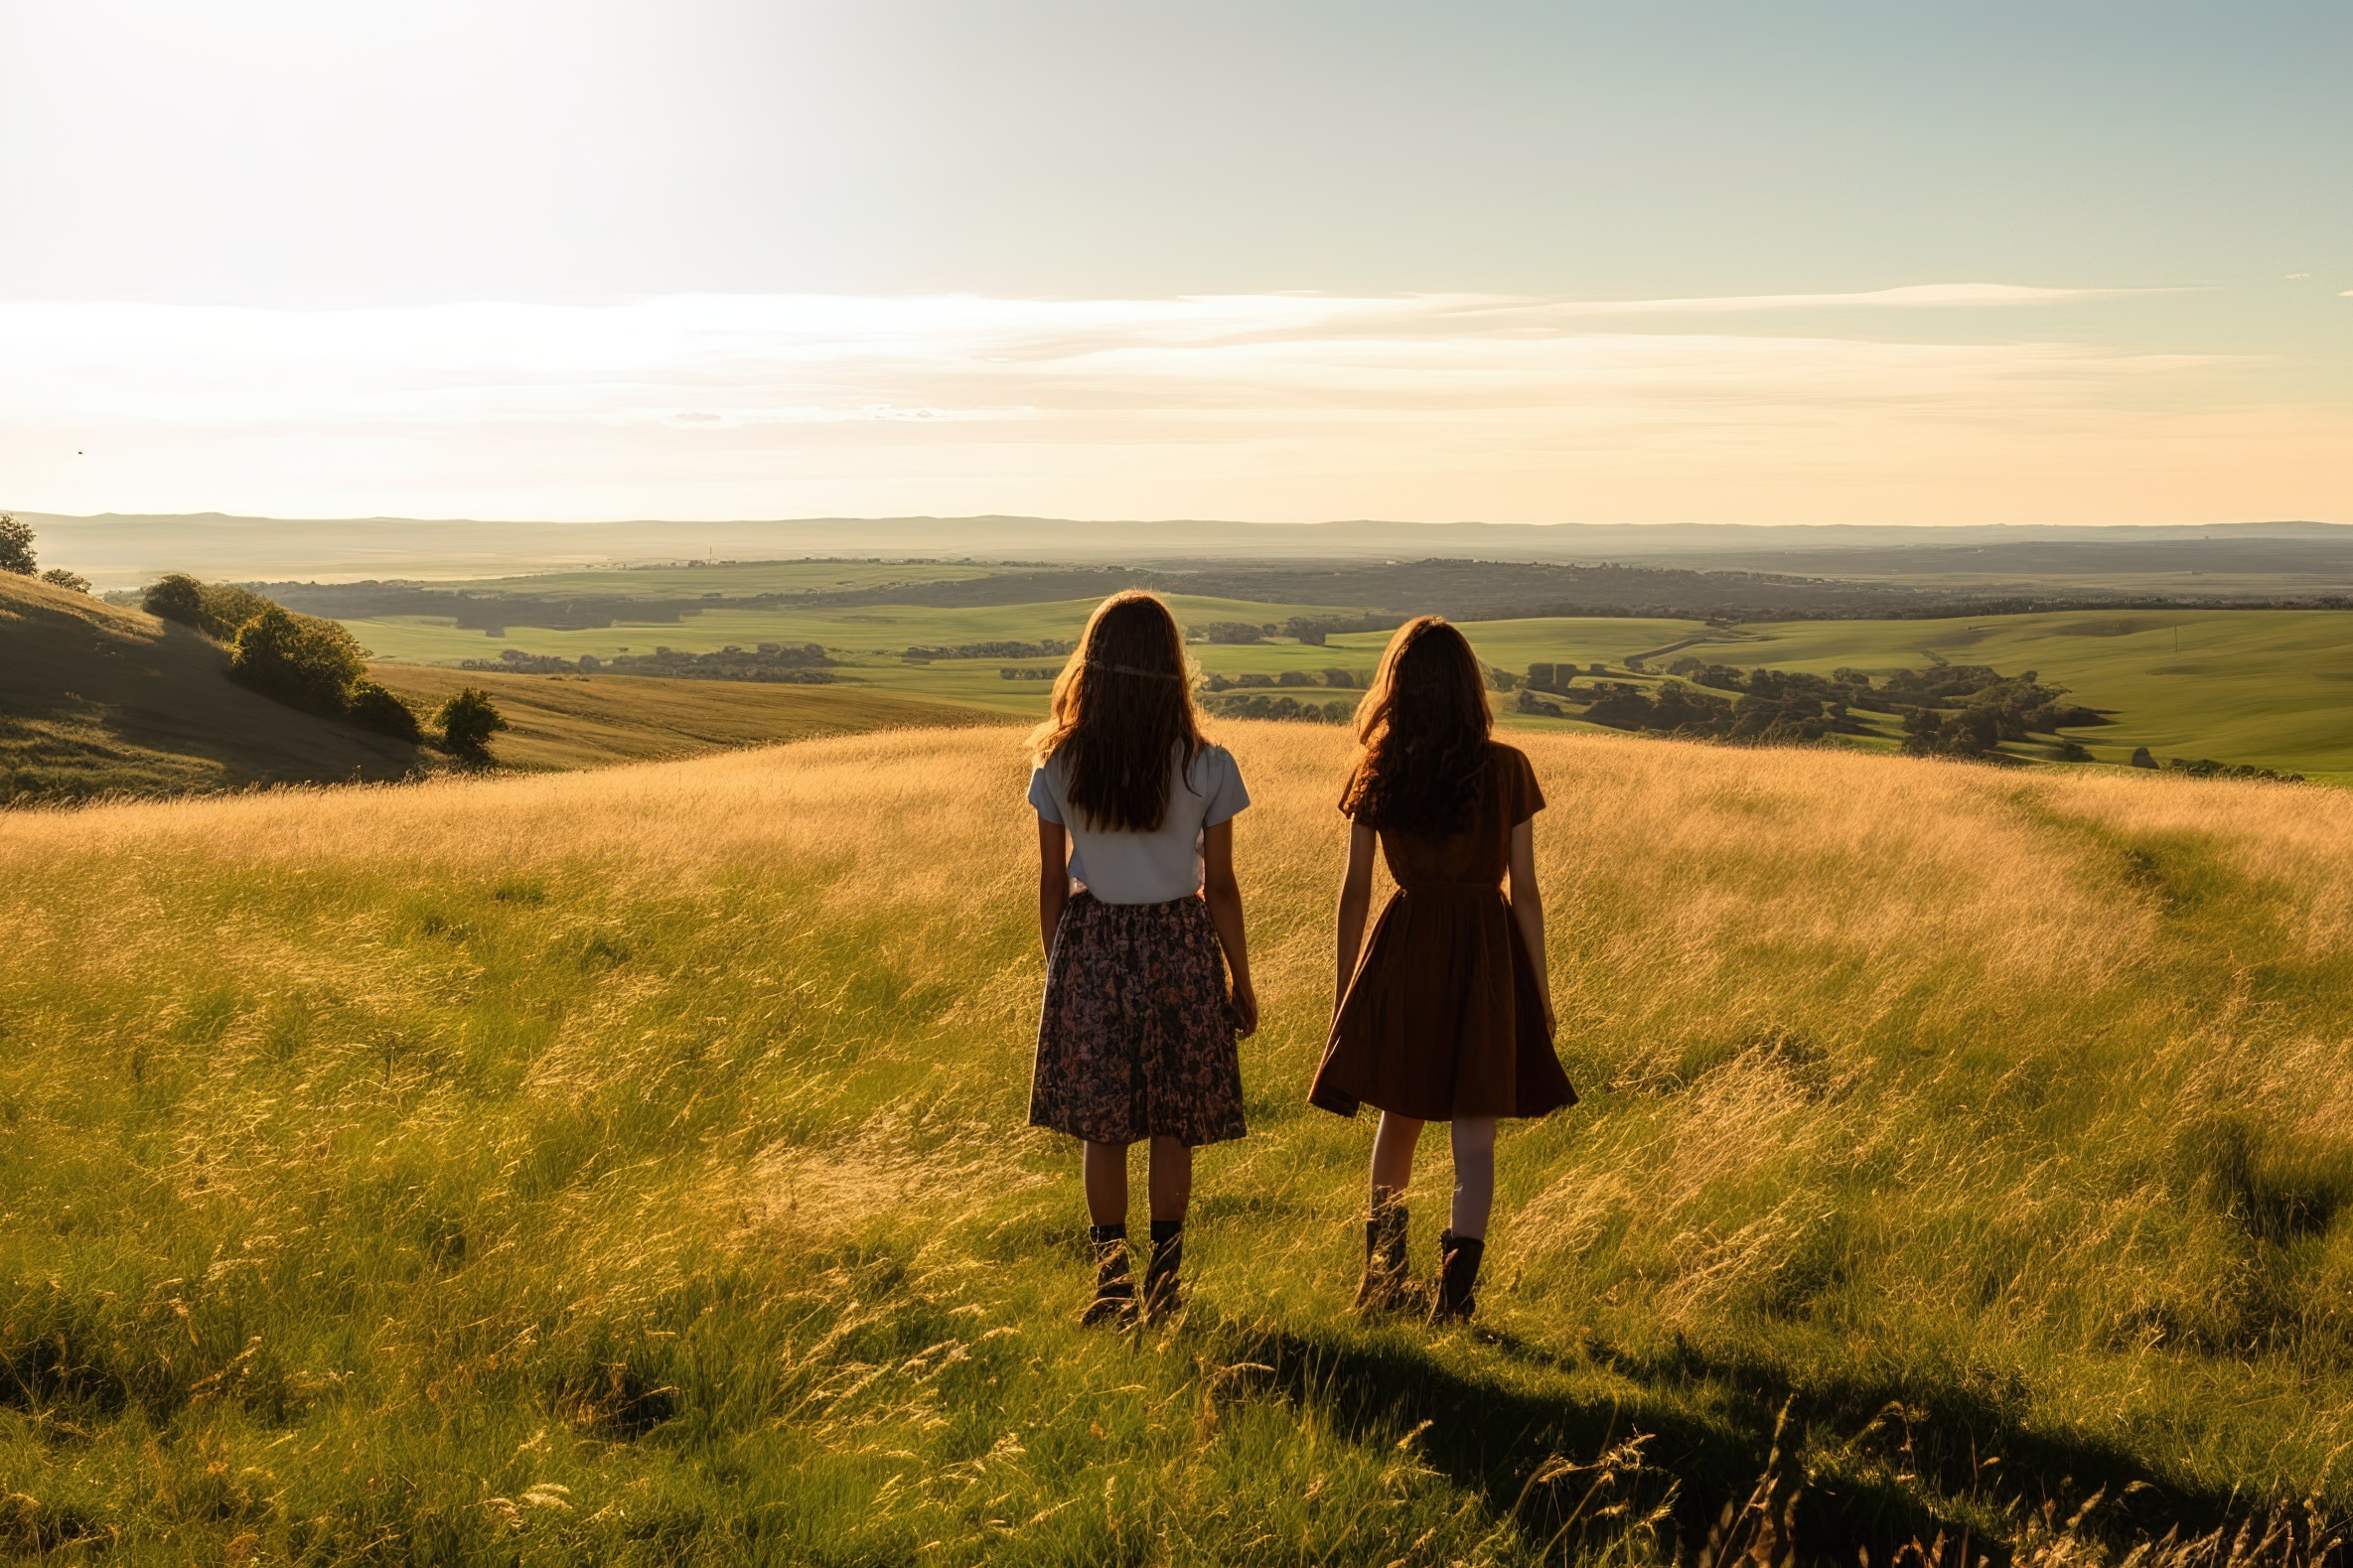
97	699
628	1167
574	721
2267	686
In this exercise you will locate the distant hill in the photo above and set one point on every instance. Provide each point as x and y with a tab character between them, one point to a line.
95	699
123	550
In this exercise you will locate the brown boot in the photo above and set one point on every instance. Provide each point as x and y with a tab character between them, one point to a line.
1114	1292
1387	1286
1458	1277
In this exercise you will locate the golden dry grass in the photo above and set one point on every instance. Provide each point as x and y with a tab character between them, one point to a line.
1995	1128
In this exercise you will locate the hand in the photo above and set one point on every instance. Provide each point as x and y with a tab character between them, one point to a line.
1246	1008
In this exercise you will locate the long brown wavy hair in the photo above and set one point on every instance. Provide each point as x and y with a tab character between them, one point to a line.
1425	726
1123	714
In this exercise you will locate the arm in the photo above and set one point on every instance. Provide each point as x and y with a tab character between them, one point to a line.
1356	901
1053	878
1527	911
1224	912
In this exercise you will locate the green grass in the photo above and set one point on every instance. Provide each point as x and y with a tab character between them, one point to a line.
628	1167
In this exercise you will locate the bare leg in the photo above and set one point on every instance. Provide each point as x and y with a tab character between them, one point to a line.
1474	1175
1170	1183
1104	1168
1392	1153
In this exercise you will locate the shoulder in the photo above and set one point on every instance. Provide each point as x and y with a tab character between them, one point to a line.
1513	779
1215	762
1509	762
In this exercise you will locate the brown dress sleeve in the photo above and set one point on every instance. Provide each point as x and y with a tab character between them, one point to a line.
1348	791
1524	795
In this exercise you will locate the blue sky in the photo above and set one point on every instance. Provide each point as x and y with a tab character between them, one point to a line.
2164	188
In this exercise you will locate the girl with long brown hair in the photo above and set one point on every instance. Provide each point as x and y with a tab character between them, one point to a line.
1141	919
1446	1014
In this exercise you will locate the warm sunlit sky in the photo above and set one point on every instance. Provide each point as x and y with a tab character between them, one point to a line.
1893	261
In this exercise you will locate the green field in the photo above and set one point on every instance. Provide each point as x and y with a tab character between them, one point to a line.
2264	686
2261	687
872	636
628	1167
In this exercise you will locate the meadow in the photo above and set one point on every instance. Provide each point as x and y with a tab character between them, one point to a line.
628	1167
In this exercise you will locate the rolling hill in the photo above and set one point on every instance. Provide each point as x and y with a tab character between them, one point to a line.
97	699
628	1166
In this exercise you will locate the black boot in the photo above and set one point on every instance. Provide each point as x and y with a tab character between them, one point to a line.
1162	1293
1386	1286
1458	1277
1114	1292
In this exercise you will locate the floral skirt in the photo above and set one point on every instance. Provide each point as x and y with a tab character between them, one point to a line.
1136	1039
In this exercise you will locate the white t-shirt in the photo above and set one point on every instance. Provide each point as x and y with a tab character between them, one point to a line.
1126	867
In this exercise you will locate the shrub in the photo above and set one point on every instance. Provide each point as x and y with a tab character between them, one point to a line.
300	660
64	579
2141	758
174	595
469	720
217	610
16	547
372	708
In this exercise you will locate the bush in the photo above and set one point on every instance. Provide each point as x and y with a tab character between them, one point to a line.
2141	758
219	609
469	720
16	547
174	595
64	579
372	708
302	661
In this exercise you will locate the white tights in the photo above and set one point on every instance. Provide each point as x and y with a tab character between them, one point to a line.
1473	1138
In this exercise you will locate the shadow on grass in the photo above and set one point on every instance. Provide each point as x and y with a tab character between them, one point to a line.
1927	1453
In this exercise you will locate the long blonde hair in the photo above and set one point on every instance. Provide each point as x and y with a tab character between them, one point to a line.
1123	714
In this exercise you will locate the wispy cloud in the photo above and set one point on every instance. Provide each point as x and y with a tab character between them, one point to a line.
1247	405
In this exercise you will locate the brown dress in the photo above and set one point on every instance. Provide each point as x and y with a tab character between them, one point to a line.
1442	1018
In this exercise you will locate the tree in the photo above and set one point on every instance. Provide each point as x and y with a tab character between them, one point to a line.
16	547
469	720
217	610
307	663
174	595
64	579
2141	759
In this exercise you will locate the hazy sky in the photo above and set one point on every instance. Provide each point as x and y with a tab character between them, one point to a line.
1759	263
